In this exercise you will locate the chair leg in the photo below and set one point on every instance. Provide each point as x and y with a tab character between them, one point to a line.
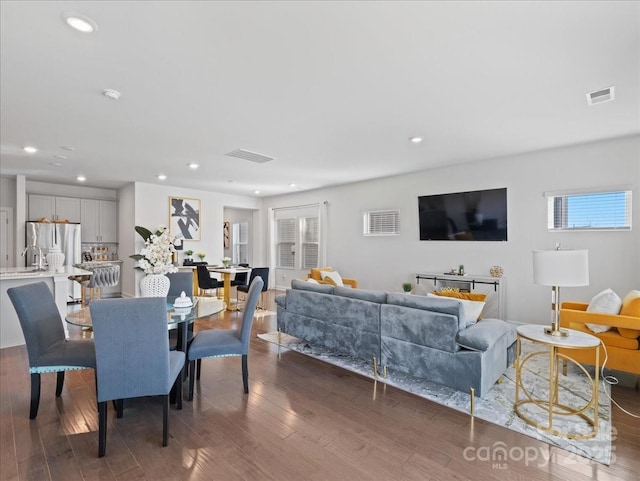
245	374
192	375
165	419
199	364
119	408
59	383
35	395
102	428
178	386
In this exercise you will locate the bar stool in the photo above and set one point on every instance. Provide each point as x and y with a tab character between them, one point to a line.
103	276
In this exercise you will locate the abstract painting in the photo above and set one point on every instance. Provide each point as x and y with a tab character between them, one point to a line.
184	218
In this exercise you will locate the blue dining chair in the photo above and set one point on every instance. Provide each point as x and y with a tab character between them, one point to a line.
48	349
133	358
180	282
226	342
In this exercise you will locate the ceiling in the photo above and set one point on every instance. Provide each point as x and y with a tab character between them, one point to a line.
331	90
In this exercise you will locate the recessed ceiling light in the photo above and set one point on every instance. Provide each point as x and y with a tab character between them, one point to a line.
80	22
61	157
292	185
193	165
256	191
70	149
415	140
111	94
29	149
56	164
162	177
81	178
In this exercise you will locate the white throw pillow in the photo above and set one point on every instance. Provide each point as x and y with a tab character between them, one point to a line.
605	302
471	309
312	281
334	276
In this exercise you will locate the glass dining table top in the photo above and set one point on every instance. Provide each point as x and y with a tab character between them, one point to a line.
202	307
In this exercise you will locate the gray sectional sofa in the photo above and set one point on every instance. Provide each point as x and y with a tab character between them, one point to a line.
422	336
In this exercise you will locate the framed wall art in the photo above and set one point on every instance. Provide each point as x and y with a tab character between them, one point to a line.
184	218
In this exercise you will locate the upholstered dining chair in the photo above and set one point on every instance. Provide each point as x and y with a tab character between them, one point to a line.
48	349
240	279
205	281
226	342
263	273
133	357
180	282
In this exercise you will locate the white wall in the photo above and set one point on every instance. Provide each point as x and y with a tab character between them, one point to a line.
386	262
151	205
127	238
237	216
64	190
8	192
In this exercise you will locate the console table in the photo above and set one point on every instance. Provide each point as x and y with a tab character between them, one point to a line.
492	287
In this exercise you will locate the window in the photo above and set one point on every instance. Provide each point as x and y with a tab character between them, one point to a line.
240	243
310	242
381	222
606	210
286	243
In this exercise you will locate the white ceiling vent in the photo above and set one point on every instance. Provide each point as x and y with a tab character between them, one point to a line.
602	95
251	156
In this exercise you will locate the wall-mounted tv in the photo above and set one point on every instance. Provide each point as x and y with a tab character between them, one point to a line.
479	215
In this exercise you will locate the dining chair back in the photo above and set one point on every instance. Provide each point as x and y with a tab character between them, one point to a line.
133	357
226	342
263	273
205	281
180	282
47	347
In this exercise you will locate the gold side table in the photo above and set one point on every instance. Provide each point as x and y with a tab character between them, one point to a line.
575	340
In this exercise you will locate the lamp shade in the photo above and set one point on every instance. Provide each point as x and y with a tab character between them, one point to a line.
562	268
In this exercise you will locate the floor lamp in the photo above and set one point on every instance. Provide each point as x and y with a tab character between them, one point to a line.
560	268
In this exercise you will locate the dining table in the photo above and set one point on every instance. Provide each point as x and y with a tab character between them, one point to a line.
226	279
178	317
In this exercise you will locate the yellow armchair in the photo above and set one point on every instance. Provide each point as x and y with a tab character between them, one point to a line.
623	342
316	275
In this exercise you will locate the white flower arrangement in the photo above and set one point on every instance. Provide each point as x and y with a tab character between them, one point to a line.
226	261
157	255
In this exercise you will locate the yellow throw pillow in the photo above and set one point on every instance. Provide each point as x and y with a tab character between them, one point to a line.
469	296
630	307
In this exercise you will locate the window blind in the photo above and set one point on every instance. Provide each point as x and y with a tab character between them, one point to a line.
607	210
381	222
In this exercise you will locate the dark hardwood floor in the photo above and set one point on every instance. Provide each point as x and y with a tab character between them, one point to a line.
302	420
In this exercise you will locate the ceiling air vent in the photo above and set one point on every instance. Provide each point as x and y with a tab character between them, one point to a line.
251	156
602	95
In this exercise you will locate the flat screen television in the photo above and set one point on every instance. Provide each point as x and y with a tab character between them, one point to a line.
479	215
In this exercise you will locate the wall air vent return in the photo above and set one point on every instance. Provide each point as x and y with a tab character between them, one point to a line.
602	95
251	156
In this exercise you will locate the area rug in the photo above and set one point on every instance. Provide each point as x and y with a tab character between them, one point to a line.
497	405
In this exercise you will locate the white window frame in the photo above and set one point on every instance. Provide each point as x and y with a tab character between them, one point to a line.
558	204
381	222
239	241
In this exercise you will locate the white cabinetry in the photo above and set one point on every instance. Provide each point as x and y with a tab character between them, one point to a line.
99	220
493	287
54	208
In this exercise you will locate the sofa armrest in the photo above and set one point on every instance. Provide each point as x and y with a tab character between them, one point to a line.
576	306
281	300
568	316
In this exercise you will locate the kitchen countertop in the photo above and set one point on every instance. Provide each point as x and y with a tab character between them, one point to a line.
30	273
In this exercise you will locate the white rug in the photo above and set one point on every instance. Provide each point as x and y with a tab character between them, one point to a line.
497	405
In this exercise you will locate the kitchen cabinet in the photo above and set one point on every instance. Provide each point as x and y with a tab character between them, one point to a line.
99	220
53	208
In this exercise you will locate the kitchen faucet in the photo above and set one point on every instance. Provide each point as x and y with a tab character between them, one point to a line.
40	264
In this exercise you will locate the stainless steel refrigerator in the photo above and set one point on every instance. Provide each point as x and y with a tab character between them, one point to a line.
66	236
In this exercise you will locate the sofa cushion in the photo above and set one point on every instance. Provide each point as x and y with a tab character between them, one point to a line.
316	272
631	307
428	303
605	302
484	334
379	297
309	286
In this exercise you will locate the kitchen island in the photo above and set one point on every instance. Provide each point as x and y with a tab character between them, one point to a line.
57	280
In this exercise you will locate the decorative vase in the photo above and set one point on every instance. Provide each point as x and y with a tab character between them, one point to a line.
55	260
154	285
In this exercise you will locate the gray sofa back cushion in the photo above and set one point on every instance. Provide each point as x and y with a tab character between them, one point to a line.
311	286
484	334
449	306
379	297
418	326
